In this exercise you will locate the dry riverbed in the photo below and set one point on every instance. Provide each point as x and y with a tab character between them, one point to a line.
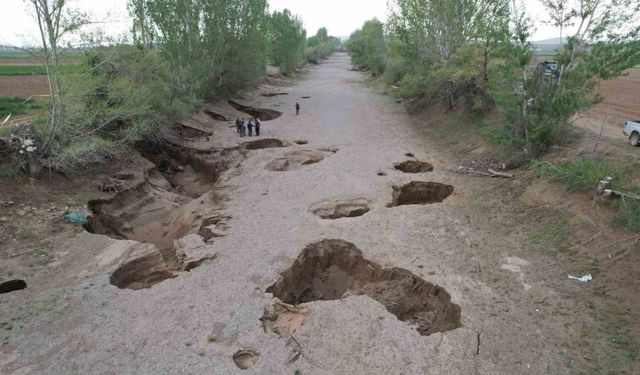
339	242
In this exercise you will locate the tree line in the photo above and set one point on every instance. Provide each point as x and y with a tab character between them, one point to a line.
183	52
478	55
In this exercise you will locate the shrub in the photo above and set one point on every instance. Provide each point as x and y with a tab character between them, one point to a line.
582	174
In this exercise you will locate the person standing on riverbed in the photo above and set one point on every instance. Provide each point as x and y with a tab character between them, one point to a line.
297	108
257	127
243	128
250	127
238	123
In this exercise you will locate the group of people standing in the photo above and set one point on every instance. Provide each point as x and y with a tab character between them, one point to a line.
243	127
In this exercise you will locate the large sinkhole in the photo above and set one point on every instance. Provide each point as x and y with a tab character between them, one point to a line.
420	192
169	210
261	113
328	269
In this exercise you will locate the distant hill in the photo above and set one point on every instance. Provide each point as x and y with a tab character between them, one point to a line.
551	44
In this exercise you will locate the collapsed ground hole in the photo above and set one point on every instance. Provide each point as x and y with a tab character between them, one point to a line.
169	210
301	142
265	143
12	286
331	269
271	94
245	358
261	113
188	133
413	166
295	160
410	155
215	115
420	192
305	97
341	208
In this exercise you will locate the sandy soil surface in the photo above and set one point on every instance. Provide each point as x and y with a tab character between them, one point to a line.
23	86
470	283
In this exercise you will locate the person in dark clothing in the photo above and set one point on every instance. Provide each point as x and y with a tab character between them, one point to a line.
257	127
297	109
250	127
243	129
238	123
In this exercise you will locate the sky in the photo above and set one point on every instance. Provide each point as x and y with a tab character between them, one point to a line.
341	17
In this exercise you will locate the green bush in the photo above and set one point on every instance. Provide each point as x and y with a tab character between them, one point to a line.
126	97
628	215
582	174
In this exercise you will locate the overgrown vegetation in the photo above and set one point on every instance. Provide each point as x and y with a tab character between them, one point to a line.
478	56
320	46
185	51
288	39
583	174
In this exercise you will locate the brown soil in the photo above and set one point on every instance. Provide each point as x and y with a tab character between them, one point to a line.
621	103
283	319
170	202
420	192
24	86
334	269
413	166
340	208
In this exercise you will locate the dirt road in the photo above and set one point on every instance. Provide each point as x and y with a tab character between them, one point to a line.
452	286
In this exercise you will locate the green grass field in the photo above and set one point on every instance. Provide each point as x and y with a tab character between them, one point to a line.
19	106
13	54
22	70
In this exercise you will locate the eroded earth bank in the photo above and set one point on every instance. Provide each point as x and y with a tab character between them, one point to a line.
336	243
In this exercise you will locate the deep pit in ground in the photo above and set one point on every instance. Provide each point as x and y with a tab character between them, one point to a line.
265	143
413	166
173	210
262	113
420	192
296	160
12	286
188	133
214	115
341	208
331	269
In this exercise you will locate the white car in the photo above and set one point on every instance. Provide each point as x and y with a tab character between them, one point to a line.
632	130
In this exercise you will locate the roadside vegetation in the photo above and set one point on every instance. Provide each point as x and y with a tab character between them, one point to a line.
482	61
477	58
184	52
